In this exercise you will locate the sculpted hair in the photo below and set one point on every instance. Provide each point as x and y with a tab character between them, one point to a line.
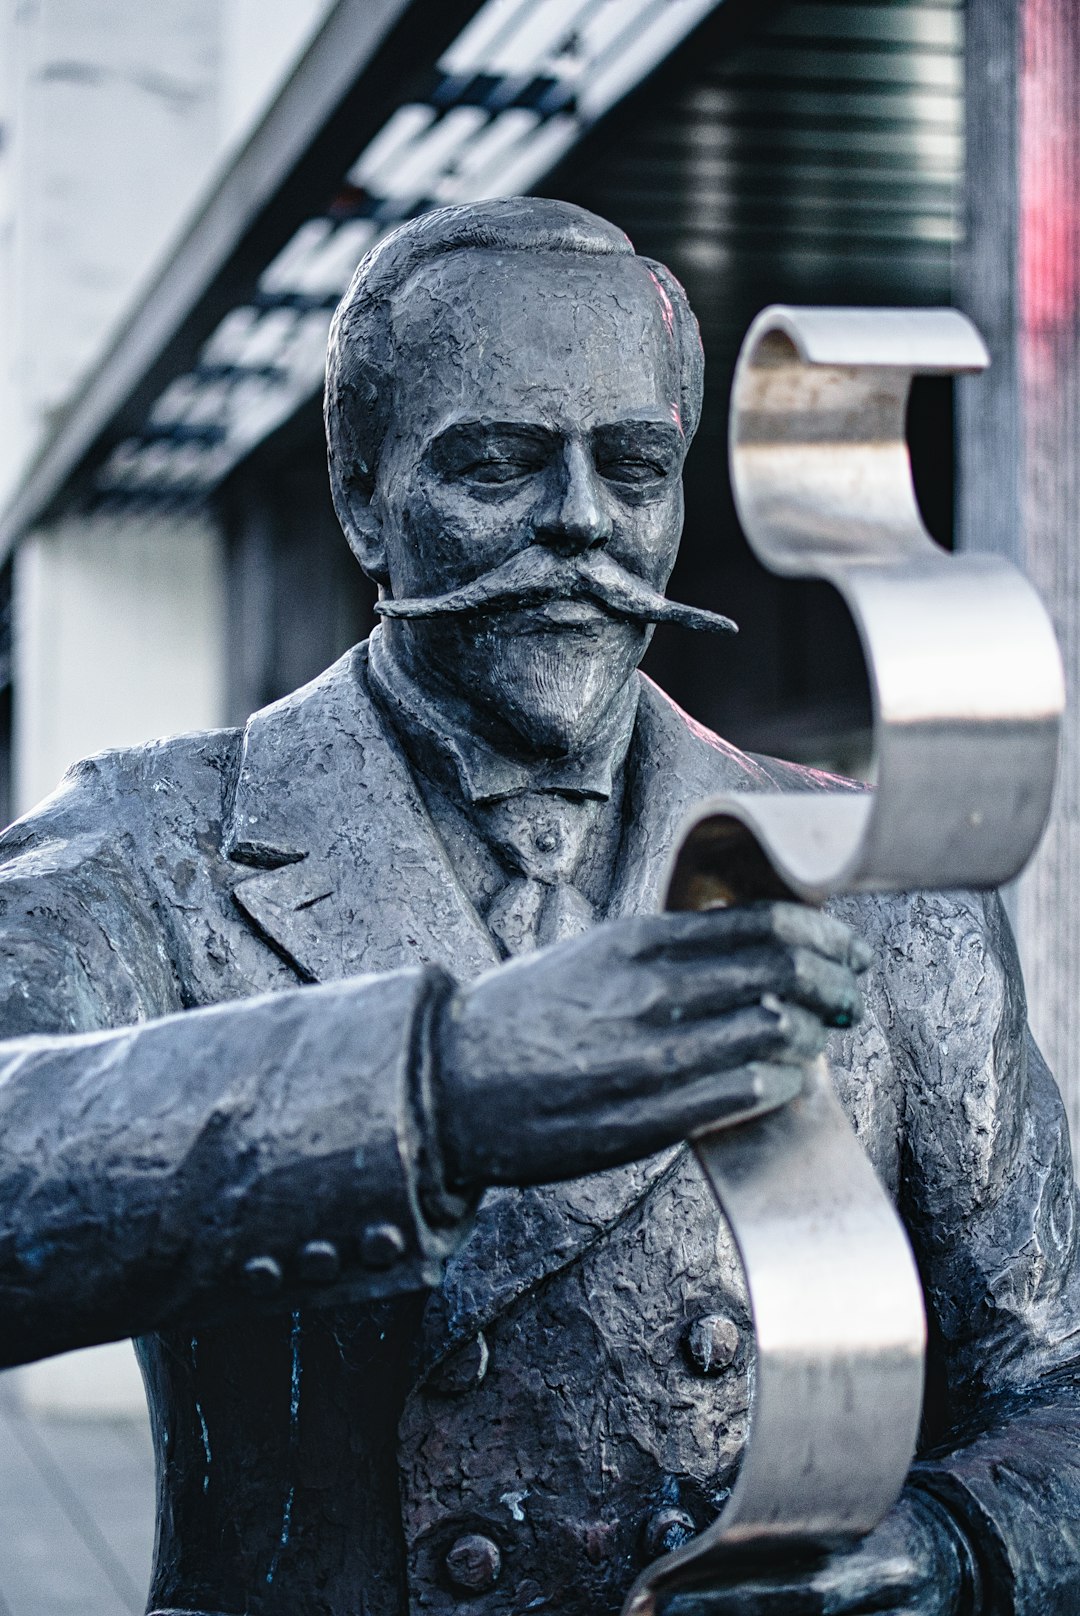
360	359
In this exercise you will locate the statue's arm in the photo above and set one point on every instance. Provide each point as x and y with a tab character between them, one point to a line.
158	1165
251	1152
991	1204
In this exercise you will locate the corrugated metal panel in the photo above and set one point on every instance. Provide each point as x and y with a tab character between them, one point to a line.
822	157
813	154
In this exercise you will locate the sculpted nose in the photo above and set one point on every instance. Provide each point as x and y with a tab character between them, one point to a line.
578	518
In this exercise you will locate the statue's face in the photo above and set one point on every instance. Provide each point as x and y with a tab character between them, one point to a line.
536	405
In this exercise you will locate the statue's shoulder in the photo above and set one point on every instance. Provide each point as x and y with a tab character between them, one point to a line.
117	795
167	789
706	764
81	940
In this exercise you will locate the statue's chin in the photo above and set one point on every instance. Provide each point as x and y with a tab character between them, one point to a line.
552	690
527	685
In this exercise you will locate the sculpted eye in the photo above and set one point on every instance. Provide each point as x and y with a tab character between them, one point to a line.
485	455
497	470
634	470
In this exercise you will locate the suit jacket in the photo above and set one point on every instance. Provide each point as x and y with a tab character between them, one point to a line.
361	1400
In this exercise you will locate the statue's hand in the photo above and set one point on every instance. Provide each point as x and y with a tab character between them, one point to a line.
609	1047
916	1563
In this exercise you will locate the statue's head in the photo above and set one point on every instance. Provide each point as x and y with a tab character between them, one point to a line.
510	395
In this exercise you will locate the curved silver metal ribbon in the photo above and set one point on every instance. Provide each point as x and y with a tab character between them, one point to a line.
967	693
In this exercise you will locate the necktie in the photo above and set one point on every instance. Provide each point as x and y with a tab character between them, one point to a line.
541	836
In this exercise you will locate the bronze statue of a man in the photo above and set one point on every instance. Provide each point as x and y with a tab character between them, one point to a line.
384	1376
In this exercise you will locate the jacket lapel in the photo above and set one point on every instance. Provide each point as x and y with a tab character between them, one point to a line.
351	875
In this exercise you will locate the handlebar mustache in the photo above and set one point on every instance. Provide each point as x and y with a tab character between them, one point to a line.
535	576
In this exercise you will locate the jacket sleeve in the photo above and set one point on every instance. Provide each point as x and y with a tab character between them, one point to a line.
168	1171
160	1165
989	1197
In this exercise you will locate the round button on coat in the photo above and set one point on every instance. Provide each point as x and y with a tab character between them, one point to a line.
667	1531
381	1245
263	1275
320	1263
711	1343
473	1563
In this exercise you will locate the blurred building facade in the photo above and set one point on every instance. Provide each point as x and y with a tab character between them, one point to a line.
170	548
115	118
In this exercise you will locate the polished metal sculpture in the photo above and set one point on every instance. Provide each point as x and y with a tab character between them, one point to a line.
967	692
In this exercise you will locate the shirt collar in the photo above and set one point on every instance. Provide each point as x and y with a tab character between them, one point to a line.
458	759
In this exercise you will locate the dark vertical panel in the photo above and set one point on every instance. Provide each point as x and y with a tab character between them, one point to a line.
296	597
931	434
1019	435
249	606
6	736
5	754
987	281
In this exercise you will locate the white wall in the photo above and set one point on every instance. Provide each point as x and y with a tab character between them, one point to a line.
115	118
119	637
112	112
261	41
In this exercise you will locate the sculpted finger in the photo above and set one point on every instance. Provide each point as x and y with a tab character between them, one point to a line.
820	984
749	1089
807	927
718	931
770	1031
678	1113
799	975
799	1034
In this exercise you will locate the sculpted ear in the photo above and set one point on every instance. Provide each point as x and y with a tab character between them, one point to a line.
352	476
358	512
